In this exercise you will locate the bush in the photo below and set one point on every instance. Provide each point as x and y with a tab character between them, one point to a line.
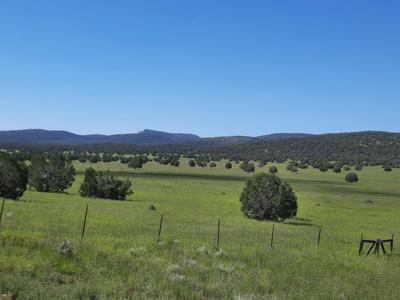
213	165
152	207
387	169
175	163
266	197
273	170
358	167
192	163
123	160
97	184
351	177
347	168
228	165
135	162
94	159
337	169
291	167
13	177
247	167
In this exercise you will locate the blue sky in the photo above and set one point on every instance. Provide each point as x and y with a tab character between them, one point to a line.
205	67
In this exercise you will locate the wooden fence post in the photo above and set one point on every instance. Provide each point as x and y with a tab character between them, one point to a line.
2	208
159	229
319	237
218	232
84	221
392	243
272	235
361	244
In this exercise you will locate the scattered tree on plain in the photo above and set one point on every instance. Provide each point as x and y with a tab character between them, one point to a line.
387	168
13	176
228	165
192	163
247	167
273	170
291	167
135	162
266	197
104	185
351	177
53	175
337	168
358	167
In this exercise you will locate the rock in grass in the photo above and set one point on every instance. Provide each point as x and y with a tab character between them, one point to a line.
225	270
203	250
174	273
65	248
219	252
188	263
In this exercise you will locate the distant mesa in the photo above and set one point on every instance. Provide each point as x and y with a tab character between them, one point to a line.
145	137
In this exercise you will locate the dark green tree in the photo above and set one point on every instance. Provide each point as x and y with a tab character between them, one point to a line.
89	185
351	177
135	162
192	163
104	185
248	167
387	168
13	177
273	170
266	197
228	165
53	175
358	167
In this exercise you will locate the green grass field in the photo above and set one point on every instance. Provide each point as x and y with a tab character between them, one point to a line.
192	200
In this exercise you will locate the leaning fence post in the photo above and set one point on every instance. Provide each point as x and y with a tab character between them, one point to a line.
2	208
218	232
361	244
159	229
319	237
84	221
272	235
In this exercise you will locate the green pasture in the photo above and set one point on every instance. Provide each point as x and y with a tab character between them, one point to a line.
192	200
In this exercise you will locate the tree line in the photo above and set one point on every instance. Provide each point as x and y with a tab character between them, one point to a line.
361	148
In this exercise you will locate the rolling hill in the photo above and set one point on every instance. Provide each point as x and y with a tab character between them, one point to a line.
145	137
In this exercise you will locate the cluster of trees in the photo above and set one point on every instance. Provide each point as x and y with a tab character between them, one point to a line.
104	185
200	162
45	175
55	173
168	159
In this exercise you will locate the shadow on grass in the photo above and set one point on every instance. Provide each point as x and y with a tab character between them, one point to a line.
299	222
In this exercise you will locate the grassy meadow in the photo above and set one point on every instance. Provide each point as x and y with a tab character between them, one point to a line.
186	264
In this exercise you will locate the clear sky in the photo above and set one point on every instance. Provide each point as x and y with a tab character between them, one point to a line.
204	67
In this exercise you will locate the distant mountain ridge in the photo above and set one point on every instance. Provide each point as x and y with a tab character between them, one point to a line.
145	137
